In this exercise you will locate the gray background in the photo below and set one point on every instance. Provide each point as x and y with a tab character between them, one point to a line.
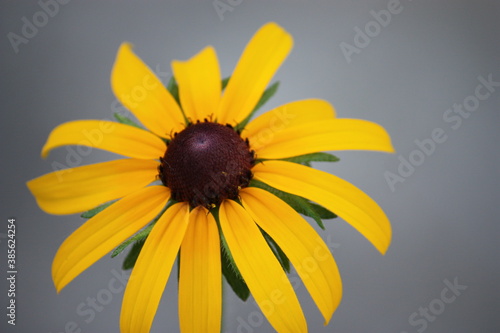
430	55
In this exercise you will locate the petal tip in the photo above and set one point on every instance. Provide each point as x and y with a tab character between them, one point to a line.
274	26
57	283
125	45
383	248
58	290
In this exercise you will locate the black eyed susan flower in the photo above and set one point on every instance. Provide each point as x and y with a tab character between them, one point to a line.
221	193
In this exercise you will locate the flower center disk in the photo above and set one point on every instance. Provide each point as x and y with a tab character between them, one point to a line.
206	163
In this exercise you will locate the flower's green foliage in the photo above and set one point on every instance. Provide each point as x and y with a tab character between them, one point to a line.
138	237
131	257
300	204
125	120
268	93
278	252
94	211
224	82
228	266
314	157
173	89
232	274
322	212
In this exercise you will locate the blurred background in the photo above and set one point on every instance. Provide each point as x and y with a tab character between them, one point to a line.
428	71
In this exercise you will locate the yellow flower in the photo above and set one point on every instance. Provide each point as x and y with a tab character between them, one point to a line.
198	157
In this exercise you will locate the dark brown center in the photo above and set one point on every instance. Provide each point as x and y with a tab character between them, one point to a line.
205	164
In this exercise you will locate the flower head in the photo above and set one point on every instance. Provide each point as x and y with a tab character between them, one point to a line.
203	183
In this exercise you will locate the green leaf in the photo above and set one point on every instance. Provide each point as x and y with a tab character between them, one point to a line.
140	236
268	93
233	276
228	266
224	82
322	212
131	257
314	157
173	88
94	211
299	204
125	120
278	252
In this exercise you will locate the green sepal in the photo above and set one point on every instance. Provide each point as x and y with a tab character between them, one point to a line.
224	82
173	89
314	157
94	211
140	236
134	252
233	276
268	93
125	120
299	204
322	212
228	266
278	252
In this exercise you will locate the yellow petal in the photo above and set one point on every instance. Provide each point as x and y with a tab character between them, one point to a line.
328	134
200	282
114	137
102	233
140	91
262	130
79	189
338	195
261	58
260	269
152	269
301	243
199	85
